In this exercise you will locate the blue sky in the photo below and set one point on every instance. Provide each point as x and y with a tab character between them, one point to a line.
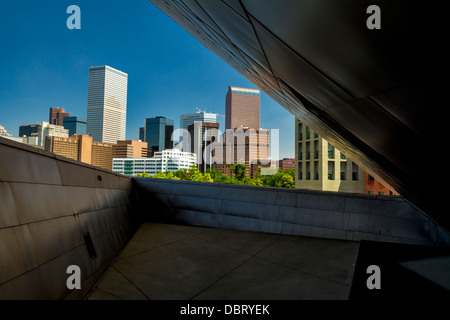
44	64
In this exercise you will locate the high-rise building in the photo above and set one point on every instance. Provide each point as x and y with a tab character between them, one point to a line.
107	104
167	160
187	119
75	125
142	133
242	146
202	134
28	130
320	166
158	133
57	116
242	108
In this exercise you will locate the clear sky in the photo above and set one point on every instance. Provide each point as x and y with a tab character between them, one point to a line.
44	64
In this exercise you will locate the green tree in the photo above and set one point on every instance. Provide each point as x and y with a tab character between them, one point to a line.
239	172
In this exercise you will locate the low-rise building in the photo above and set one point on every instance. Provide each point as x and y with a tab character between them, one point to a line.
166	160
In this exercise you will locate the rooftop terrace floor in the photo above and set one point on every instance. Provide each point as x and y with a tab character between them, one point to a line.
176	262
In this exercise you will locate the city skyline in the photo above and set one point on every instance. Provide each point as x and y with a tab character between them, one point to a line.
170	73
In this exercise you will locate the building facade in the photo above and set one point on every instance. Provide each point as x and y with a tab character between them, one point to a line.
201	135
374	186
100	154
158	133
142	133
167	160
242	108
57	116
188	119
50	130
75	125
320	166
28	130
131	149
287	164
107	104
242	146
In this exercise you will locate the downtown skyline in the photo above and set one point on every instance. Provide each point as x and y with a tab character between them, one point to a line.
170	72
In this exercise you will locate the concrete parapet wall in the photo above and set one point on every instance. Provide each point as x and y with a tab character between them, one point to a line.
288	211
47	205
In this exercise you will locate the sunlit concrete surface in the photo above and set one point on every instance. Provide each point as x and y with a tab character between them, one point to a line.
166	261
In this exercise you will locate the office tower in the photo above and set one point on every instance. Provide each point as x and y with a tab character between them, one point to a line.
75	125
57	116
320	166
130	149
242	108
107	104
187	119
142	133
243	146
167	160
202	134
29	130
158	133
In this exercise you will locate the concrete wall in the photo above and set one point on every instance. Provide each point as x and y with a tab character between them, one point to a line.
47	204
288	211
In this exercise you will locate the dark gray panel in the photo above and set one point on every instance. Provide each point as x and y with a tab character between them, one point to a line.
313	217
17	252
53	237
286	198
238	30
195	203
22	166
76	175
8	212
313	231
250	209
255	194
197	218
205	190
392	207
33	285
396	227
298	73
36	202
250	224
321	200
155	185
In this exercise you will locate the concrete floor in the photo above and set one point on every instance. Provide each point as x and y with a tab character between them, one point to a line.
174	262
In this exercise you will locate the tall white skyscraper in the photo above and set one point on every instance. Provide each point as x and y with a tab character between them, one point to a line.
107	104
187	119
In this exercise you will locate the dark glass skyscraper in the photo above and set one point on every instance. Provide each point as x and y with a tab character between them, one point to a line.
158	133
76	125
